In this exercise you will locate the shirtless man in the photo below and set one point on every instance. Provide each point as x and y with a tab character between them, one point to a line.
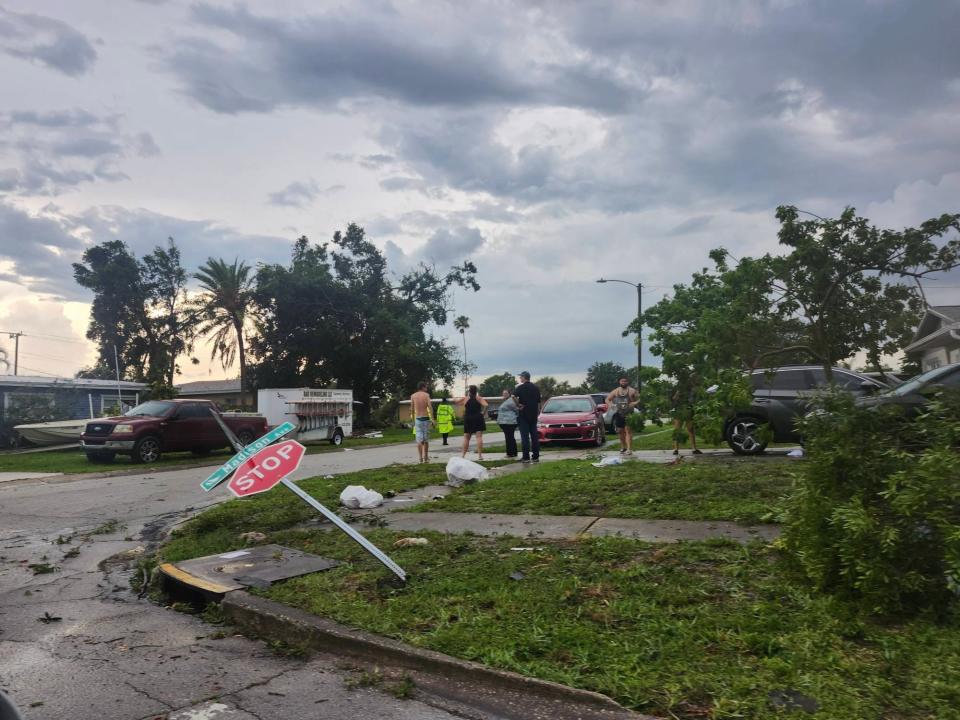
422	409
623	398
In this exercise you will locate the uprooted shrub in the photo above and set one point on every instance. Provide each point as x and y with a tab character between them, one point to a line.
875	513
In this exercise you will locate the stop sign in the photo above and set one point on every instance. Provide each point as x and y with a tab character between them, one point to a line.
265	469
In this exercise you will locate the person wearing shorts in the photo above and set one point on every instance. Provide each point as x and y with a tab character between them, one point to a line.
421	407
623	398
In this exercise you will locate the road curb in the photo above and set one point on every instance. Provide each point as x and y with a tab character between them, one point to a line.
506	694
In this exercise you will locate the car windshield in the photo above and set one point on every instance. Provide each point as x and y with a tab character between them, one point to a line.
153	408
915	383
567	405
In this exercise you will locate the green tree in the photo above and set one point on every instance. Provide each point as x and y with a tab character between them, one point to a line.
138	309
549	386
332	317
221	310
604	376
496	384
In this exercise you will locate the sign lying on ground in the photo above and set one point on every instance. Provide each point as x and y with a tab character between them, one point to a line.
265	469
224	471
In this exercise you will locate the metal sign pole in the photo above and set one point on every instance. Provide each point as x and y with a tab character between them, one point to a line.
354	535
237	445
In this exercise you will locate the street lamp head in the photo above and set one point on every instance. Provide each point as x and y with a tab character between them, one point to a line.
601	280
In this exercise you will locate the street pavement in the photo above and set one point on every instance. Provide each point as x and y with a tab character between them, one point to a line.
76	642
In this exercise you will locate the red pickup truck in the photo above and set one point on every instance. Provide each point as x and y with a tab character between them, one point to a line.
159	426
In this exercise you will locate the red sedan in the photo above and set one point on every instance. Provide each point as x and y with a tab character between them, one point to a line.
572	418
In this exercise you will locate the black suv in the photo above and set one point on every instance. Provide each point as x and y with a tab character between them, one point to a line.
780	396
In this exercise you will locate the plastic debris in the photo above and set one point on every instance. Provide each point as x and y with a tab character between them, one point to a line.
609	460
461	471
797	453
411	541
357	497
517	576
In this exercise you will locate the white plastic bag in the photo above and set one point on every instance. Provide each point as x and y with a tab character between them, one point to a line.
798	453
609	460
461	471
358	497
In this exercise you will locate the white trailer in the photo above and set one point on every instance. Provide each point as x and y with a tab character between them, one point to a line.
318	413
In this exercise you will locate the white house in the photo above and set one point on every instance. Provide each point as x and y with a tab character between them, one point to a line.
937	340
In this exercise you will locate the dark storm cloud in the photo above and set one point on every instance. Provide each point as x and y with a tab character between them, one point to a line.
322	59
45	41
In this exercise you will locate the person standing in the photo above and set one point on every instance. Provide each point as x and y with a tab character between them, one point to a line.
473	422
624	399
445	419
507	420
527	397
421	407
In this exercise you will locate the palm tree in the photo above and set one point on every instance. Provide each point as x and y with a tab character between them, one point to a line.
221	309
462	323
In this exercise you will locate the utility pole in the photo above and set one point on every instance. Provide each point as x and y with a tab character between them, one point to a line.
16	350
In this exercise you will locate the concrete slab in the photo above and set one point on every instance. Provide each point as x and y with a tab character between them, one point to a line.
248	567
16	475
540	526
662	531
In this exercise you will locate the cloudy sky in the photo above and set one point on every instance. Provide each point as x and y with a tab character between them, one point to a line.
552	143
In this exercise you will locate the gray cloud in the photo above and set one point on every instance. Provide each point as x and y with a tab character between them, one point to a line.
694	224
50	152
321	59
301	193
46	41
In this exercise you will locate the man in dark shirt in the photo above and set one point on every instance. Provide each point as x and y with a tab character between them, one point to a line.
527	396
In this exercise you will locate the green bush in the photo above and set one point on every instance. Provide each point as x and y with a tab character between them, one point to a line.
875	513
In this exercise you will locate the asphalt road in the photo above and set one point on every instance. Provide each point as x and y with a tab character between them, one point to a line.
76	642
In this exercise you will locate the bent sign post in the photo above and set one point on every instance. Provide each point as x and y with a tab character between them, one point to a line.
260	466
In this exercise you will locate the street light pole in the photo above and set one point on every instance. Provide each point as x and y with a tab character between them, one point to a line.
639	287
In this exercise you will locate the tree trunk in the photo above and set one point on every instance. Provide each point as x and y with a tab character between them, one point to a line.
241	353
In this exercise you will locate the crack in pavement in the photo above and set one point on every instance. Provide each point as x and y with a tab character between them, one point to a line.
147	695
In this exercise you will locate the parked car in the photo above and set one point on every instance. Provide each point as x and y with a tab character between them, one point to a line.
887	378
780	397
572	418
158	426
913	395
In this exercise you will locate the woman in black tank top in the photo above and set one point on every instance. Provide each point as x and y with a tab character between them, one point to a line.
473	422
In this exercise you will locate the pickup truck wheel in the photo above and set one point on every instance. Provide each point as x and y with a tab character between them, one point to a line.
101	457
245	437
337	438
147	449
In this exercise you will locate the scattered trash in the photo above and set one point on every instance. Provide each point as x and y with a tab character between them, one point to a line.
48	618
357	497
403	500
328	477
461	471
517	576
530	549
438	497
608	461
373	435
348	449
253	537
795	453
411	541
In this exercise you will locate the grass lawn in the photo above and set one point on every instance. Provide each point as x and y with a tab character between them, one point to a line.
75	461
745	491
689	630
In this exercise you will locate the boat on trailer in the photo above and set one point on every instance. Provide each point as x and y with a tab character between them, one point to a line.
58	432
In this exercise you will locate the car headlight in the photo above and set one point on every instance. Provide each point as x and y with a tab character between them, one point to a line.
586	423
541	426
117	429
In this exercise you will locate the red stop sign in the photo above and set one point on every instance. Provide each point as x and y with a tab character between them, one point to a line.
262	471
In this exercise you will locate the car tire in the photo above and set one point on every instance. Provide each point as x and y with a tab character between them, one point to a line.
245	437
337	439
147	449
601	437
741	436
101	457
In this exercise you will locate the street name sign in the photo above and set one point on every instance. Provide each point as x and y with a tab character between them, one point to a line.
265	469
224	471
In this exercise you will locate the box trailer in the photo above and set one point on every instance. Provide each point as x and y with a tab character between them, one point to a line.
318	413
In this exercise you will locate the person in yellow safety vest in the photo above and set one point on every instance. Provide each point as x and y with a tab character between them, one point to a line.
445	419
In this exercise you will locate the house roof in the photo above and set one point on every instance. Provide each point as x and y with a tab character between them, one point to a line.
947	312
937	324
209	387
35	381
